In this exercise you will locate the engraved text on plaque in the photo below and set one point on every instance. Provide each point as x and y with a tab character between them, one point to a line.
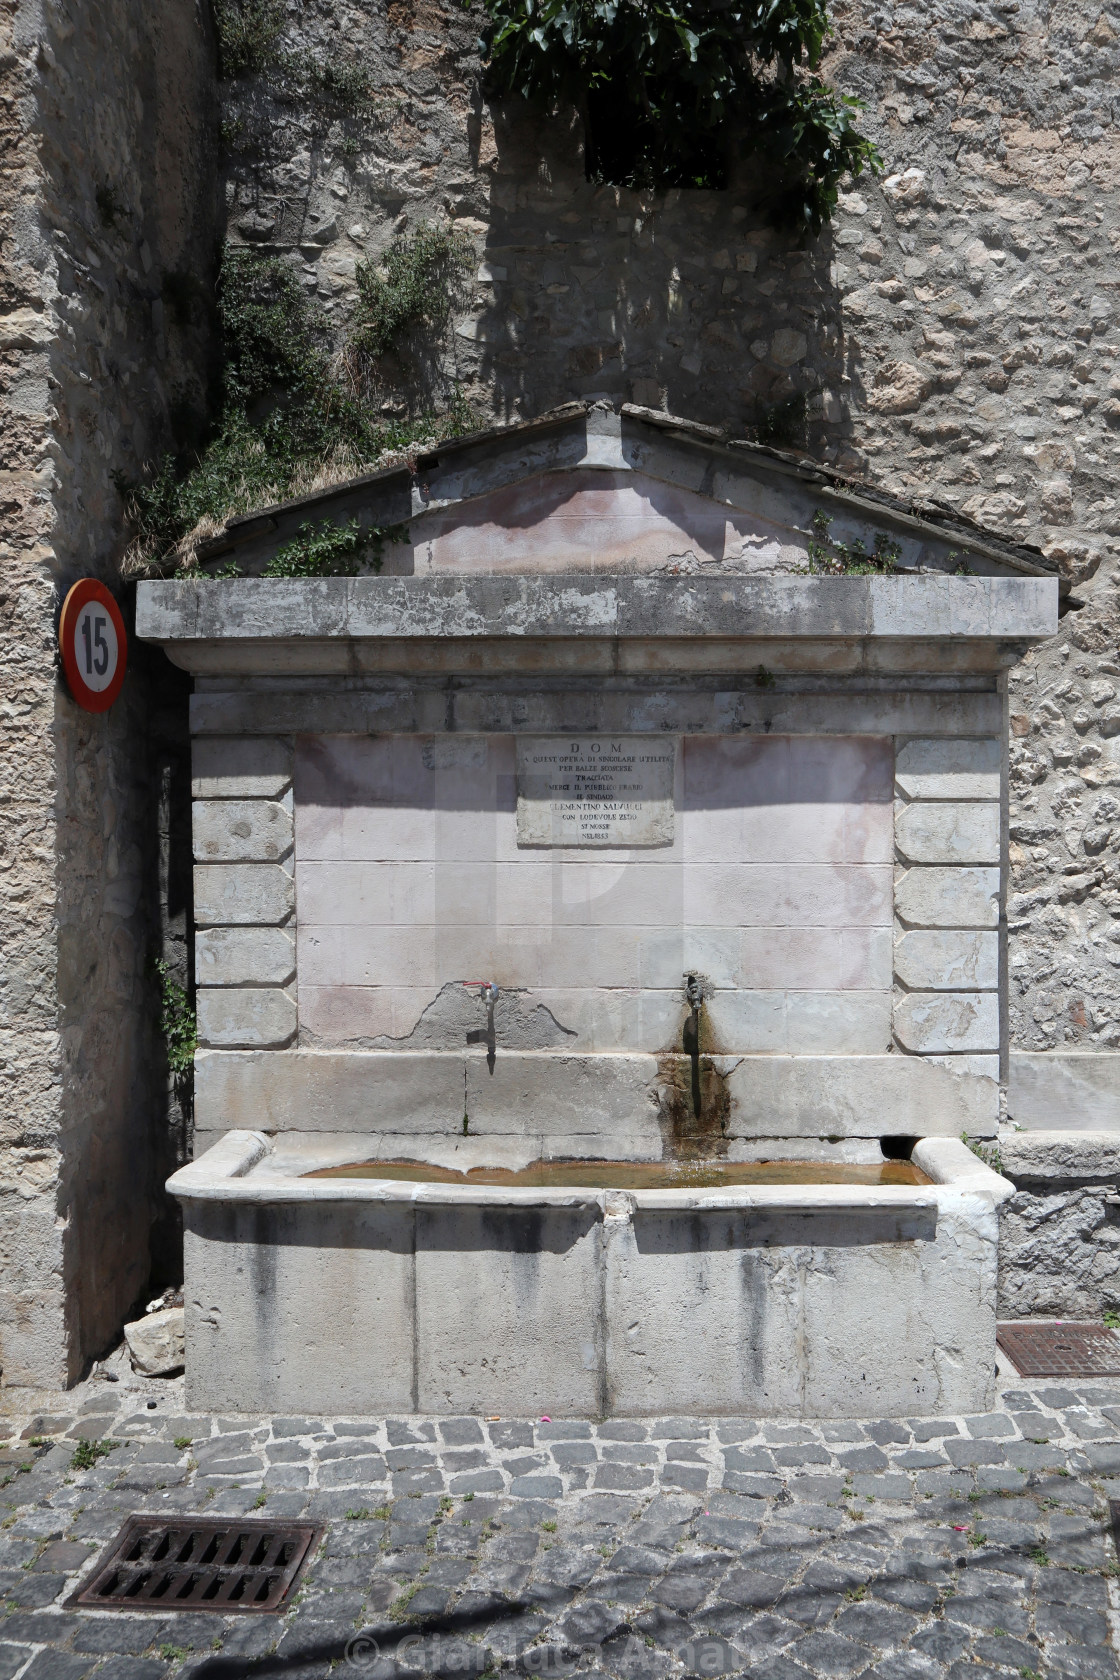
595	790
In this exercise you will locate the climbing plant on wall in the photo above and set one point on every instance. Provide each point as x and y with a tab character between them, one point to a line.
672	92
284	420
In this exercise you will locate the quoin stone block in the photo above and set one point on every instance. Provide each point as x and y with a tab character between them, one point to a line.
948	833
248	1017
241	830
235	893
240	766
944	768
947	961
244	956
948	898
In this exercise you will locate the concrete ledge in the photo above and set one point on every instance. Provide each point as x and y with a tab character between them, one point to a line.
554	1096
858	1096
1052	1158
1065	1091
314	1090
190	619
383	708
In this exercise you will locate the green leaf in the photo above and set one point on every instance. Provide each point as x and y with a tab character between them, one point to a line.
670	90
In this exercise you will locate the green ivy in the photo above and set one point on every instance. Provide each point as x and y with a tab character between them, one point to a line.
177	1024
332	550
672	91
837	559
413	289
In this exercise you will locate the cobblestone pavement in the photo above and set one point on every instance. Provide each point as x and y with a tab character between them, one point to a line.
965	1548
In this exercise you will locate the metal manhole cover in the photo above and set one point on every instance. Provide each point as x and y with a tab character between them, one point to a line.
1060	1350
227	1564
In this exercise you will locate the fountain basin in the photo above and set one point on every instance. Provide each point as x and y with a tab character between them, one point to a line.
369	1295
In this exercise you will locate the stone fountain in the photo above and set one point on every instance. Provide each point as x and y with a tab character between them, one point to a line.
603	825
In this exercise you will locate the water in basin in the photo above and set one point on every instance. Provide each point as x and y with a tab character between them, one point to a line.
639	1175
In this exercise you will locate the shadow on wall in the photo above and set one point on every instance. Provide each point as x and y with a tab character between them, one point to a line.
685	300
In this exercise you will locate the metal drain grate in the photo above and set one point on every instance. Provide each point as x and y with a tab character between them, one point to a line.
201	1563
1060	1350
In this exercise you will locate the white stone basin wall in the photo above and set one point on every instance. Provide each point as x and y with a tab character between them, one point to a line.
837	892
365	1295
824	862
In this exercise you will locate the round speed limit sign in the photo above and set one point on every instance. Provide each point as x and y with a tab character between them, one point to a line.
93	644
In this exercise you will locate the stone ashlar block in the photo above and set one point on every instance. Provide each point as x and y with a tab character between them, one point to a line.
814	1023
949	769
1061	1157
240	894
476	1257
594	1104
241	830
950	960
947	898
245	1017
1064	1091
240	766
411	711
542	1092
244	956
930	1022
367	1311
948	833
855	1096
327	1091
983	1066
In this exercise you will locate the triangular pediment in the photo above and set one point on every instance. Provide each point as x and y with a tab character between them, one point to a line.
591	519
590	490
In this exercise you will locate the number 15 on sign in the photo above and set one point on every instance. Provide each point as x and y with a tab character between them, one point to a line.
93	644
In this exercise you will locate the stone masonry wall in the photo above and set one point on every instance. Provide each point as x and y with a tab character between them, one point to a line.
104	189
1059	1238
954	332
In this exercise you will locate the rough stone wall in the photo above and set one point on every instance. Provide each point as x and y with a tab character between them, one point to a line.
954	332
1059	1236
105	119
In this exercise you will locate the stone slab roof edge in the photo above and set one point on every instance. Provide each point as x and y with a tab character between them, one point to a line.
922	516
245	526
924	609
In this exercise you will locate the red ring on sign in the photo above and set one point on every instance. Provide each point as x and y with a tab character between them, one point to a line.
79	597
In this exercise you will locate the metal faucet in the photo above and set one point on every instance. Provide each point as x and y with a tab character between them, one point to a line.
487	994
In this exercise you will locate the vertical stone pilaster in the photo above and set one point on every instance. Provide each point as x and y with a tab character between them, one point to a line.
245	964
946	955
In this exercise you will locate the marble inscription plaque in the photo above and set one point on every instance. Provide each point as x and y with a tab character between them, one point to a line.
595	790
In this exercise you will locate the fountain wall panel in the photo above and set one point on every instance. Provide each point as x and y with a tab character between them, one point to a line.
775	888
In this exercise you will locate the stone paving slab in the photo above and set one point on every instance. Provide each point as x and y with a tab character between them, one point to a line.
955	1548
